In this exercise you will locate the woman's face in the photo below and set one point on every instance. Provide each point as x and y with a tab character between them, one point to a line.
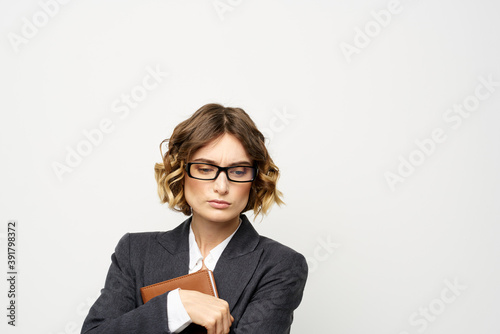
219	200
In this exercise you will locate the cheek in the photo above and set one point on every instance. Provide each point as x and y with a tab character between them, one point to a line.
190	189
244	192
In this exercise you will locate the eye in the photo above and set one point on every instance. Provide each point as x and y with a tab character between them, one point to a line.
239	171
205	169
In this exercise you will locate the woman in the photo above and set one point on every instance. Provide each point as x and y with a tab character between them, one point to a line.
216	168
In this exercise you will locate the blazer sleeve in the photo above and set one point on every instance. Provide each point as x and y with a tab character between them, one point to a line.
278	294
117	310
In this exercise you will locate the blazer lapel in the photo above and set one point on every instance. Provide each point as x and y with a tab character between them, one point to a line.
237	263
234	268
172	259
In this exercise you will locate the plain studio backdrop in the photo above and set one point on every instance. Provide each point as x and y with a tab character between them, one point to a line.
383	117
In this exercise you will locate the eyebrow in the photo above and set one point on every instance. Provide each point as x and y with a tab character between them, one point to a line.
237	163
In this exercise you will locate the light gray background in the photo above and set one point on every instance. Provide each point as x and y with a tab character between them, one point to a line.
378	256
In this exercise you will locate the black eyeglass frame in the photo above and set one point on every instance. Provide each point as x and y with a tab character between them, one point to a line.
219	169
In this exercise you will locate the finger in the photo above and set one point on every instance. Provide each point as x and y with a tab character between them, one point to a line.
211	329
224	324
227	321
221	323
219	327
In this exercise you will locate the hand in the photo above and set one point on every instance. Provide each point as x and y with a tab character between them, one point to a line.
207	311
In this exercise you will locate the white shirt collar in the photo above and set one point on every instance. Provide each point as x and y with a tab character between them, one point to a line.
195	257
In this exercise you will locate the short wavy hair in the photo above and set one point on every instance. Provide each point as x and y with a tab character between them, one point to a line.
210	122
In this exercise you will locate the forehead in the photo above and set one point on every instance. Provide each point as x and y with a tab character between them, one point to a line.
223	150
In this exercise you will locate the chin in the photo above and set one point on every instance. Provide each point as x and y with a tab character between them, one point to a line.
219	216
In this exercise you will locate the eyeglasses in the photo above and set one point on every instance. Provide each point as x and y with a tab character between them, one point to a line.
204	171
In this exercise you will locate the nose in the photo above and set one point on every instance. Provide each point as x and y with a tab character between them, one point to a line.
221	184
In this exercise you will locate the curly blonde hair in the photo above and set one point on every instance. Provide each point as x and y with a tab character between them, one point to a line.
207	123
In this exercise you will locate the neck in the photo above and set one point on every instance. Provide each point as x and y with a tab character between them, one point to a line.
209	234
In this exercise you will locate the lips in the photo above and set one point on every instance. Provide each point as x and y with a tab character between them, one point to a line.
218	204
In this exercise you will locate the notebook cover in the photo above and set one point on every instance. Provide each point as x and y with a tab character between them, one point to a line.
202	281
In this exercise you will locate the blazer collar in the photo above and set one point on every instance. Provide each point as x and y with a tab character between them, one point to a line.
236	264
177	240
170	257
244	240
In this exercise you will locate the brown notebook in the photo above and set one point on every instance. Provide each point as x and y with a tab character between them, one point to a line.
202	281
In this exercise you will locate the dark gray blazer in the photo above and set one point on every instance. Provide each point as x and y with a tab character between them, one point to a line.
261	279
